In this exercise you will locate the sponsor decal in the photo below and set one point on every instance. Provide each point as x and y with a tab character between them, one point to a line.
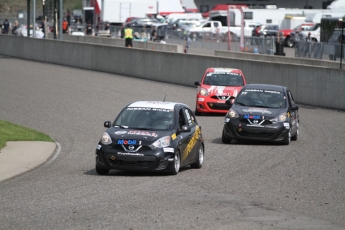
201	99
120	132
168	150
126	142
191	143
286	125
130	154
257	110
247	116
142	133
173	136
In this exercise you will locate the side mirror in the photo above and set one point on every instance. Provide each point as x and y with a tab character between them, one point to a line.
294	107
197	83
184	128
107	124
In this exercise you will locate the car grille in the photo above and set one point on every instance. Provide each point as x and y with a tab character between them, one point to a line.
218	106
266	122
143	148
226	97
133	162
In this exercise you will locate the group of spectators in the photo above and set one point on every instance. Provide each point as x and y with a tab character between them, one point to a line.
6	27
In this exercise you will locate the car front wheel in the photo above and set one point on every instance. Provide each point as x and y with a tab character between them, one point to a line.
287	138
101	171
225	140
295	137
200	158
177	163
196	112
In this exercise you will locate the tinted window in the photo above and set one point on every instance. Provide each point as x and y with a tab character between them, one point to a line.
262	98
189	117
248	15
223	79
146	118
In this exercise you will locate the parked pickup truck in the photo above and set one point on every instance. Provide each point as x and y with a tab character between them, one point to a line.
215	28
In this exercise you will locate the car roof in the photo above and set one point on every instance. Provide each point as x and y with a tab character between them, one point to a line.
217	69
265	86
156	104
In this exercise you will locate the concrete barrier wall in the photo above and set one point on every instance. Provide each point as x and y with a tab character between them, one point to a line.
274	58
121	42
315	86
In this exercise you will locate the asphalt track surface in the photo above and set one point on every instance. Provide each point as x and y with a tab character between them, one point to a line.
241	186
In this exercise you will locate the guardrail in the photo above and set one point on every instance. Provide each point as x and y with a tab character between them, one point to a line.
311	85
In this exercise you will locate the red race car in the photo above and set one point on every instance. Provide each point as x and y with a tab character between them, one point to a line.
217	86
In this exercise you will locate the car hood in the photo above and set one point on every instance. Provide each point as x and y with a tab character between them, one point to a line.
146	137
222	90
257	112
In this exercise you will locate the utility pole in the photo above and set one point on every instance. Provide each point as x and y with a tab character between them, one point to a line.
28	18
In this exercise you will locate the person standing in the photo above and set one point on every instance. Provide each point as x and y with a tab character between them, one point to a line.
6	26
153	33
43	27
89	29
64	26
15	27
187	44
129	37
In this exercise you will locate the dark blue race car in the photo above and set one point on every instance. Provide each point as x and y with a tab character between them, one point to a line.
263	113
151	136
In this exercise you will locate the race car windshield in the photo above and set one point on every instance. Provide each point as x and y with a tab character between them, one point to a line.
224	79
262	98
146	118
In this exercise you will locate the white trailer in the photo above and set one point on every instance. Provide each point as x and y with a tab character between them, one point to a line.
316	17
117	11
274	16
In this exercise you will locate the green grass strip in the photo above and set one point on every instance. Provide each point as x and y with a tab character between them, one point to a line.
13	132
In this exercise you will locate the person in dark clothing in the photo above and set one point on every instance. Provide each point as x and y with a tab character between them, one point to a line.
153	33
6	26
89	29
15	27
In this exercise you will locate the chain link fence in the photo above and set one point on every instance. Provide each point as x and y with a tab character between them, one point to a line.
318	50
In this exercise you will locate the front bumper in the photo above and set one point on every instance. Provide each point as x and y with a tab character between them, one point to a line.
153	160
238	130
211	105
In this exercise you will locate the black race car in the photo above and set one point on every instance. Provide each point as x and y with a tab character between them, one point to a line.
151	136
264	113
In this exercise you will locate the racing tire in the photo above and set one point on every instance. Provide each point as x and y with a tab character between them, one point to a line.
226	140
101	171
200	158
295	137
196	112
177	163
287	138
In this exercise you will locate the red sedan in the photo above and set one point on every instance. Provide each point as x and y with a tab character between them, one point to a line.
217	86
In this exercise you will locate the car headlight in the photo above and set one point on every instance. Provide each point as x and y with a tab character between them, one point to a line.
280	118
232	113
106	140
162	142
203	92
